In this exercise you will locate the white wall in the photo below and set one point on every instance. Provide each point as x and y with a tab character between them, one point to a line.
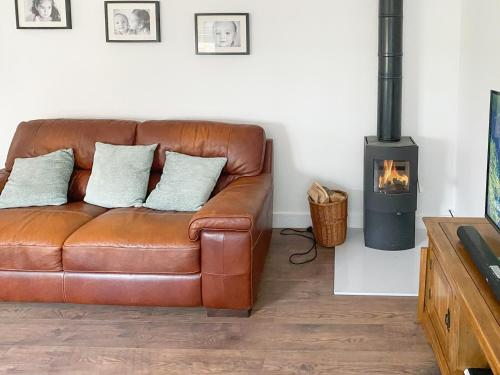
430	95
310	81
480	73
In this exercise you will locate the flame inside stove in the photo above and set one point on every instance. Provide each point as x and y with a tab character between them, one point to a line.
391	177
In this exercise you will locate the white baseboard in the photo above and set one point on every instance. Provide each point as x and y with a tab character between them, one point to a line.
303	220
291	219
377	294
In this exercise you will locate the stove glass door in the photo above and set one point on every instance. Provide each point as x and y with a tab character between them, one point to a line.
391	176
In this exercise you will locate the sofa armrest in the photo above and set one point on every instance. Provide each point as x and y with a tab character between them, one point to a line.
234	229
236	208
4	176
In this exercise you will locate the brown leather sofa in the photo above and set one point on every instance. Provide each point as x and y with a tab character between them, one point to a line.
80	253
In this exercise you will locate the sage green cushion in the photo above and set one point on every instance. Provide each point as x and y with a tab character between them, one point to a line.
186	182
120	175
39	181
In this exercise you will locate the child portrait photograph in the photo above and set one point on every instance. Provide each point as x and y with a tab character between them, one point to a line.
43	14
222	34
132	21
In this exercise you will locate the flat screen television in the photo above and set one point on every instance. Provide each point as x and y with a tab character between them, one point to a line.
493	172
486	258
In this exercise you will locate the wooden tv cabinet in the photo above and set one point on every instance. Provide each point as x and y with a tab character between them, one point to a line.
458	312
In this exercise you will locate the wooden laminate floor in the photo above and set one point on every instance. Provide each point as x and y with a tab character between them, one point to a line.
297	327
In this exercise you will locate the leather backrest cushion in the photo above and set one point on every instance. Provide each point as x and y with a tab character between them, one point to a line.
154	178
78	185
242	145
39	137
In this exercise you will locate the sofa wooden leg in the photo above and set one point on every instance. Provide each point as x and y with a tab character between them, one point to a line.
227	313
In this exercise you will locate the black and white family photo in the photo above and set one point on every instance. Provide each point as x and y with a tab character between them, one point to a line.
222	34
132	21
43	14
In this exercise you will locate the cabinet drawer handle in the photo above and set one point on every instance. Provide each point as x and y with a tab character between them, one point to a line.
447	320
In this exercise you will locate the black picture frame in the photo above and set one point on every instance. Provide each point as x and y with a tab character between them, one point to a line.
207	47
65	22
156	35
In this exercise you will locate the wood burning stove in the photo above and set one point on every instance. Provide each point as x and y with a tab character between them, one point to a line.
390	193
391	161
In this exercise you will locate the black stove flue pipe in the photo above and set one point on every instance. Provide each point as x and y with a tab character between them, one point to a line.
390	48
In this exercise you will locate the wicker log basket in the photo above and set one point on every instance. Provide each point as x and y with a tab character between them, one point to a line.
329	219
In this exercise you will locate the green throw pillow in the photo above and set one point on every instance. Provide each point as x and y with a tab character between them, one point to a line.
120	175
39	181
186	182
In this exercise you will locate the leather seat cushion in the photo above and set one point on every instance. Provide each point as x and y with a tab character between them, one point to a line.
31	238
135	241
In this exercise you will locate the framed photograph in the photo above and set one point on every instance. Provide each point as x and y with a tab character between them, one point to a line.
132	21
43	14
222	33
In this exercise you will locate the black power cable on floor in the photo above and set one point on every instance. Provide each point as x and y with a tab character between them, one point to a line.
301	233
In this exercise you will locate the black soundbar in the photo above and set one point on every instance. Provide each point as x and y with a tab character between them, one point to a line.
478	371
484	259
